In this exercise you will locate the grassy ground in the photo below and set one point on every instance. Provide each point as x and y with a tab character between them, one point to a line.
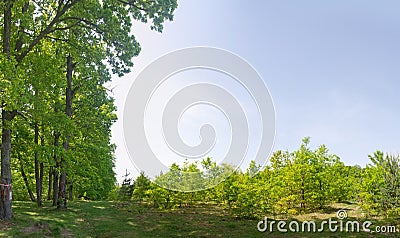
112	219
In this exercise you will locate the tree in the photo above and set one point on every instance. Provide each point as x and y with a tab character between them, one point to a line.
380	185
141	186
126	190
99	29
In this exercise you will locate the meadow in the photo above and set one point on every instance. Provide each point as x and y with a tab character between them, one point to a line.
127	219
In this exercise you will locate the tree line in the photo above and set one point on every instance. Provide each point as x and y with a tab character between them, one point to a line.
305	180
55	111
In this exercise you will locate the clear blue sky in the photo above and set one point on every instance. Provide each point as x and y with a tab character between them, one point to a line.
332	67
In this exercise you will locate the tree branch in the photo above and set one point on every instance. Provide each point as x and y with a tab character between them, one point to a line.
62	40
132	4
83	20
61	10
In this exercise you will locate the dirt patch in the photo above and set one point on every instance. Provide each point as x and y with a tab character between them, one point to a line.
36	228
67	233
6	225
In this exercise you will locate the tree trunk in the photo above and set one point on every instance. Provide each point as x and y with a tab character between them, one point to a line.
38	167
7	27
6	179
320	194
32	197
41	167
41	174
302	203
62	195
62	198
50	183
55	187
21	32
55	170
7	116
70	191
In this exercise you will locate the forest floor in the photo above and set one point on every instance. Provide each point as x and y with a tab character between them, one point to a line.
116	219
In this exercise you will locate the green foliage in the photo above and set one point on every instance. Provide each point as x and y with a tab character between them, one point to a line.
192	177
305	180
97	36
380	185
141	186
126	189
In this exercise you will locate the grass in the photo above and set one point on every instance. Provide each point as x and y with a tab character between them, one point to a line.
116	219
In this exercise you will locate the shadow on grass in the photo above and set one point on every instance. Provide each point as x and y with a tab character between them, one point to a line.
125	219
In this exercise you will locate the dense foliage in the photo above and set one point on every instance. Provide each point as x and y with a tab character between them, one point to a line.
380	185
56	114
297	182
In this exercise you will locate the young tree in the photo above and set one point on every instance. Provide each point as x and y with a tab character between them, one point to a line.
126	190
380	186
141	187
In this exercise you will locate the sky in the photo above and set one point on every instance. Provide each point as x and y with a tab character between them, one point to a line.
331	67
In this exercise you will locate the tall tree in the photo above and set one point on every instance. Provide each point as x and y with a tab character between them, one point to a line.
99	29
62	195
